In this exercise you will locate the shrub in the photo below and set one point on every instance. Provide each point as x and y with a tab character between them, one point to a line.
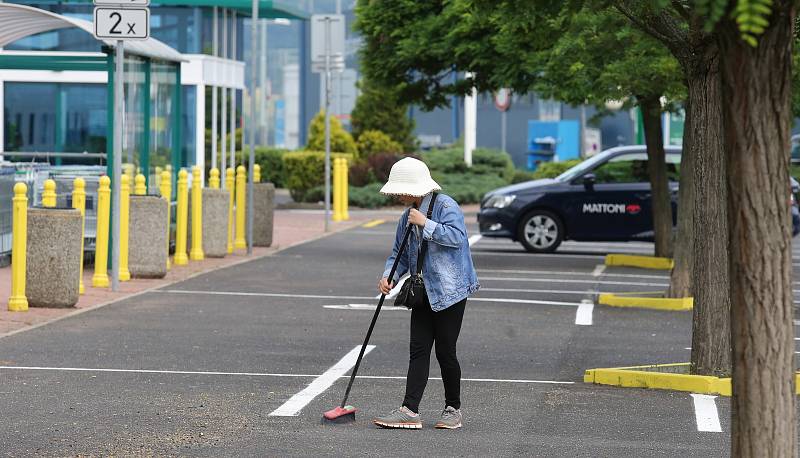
379	107
381	165
554	169
271	162
485	161
368	196
341	140
306	169
360	174
467	188
521	176
373	142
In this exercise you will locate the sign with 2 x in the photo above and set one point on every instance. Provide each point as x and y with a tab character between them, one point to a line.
122	20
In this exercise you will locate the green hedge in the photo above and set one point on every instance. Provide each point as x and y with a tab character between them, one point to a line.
521	176
485	161
554	169
271	162
305	170
368	196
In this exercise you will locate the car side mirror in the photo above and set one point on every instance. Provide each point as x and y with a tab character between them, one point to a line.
588	181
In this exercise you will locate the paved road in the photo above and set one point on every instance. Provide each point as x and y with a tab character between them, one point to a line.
198	367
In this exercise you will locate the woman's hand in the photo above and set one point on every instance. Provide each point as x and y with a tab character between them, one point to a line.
416	217
384	287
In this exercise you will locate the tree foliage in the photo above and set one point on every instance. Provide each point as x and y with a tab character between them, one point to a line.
381	108
341	140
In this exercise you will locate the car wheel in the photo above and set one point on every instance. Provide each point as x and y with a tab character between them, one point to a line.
540	231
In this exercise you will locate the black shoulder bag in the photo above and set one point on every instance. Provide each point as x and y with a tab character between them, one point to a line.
412	293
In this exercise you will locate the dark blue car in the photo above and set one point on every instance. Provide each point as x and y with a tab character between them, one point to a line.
604	198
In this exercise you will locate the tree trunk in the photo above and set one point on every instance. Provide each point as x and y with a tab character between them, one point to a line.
680	282
657	169
757	115
711	324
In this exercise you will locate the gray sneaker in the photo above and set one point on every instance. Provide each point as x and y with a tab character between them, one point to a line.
451	419
401	418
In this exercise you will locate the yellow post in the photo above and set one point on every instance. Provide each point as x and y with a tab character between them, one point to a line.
213	181
256	173
100	277
140	188
196	254
229	180
337	189
241	188
180	258
124	226
49	194
79	202
166	192
18	302
129	169
345	191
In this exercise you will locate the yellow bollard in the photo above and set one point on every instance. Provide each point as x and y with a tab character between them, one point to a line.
181	217
241	188
337	189
79	202
345	202
100	277
196	254
256	173
140	188
18	302
49	194
166	192
213	181
229	184
124	226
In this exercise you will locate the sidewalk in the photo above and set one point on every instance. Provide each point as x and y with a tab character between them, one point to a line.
291	227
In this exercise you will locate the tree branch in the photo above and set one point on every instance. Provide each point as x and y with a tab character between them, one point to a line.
661	26
680	8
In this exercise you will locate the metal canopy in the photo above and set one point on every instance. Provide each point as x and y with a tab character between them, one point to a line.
20	21
267	9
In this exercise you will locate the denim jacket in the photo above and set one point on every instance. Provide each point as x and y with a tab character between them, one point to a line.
447	269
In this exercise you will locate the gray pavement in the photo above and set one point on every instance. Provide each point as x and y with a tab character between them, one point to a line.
195	369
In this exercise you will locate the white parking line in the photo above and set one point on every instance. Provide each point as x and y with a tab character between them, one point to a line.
474	239
598	270
311	296
583	317
705	412
543	291
365	307
564	280
295	404
564	256
264	374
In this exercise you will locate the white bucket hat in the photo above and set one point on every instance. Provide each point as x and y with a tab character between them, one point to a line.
410	177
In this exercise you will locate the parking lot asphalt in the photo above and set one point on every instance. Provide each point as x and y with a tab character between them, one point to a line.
234	363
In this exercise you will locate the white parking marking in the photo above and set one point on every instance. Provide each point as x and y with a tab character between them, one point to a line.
564	280
568	272
263	374
364	307
311	296
474	239
705	412
295	404
583	317
543	291
598	270
505	253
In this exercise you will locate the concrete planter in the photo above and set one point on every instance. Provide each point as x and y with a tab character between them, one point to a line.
147	252
54	257
264	206
215	222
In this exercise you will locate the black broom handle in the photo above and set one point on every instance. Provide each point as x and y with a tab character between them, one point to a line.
375	316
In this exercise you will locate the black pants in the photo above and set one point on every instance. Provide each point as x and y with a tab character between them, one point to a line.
443	328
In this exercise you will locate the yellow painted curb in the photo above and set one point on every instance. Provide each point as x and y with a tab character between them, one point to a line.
664	377
645	262
373	223
655	303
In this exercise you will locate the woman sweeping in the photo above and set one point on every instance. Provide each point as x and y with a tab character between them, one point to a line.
438	250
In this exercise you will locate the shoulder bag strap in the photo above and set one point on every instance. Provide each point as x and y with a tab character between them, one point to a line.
424	244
